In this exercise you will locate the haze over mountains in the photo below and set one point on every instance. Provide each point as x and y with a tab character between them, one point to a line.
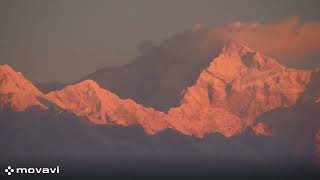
255	103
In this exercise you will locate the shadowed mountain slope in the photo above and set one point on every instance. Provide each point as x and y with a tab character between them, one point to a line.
158	76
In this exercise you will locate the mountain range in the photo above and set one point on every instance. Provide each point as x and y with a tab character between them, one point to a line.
239	97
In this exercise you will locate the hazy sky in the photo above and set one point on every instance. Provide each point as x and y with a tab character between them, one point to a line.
67	39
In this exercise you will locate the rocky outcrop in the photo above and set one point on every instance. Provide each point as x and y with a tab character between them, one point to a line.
312	94
261	129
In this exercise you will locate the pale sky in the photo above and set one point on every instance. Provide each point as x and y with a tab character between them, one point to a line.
66	39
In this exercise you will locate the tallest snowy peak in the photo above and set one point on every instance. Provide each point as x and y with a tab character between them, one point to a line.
238	55
234	47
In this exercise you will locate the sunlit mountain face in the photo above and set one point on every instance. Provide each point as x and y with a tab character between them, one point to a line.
205	102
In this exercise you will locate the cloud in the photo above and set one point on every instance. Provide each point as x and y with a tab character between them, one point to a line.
196	27
288	40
